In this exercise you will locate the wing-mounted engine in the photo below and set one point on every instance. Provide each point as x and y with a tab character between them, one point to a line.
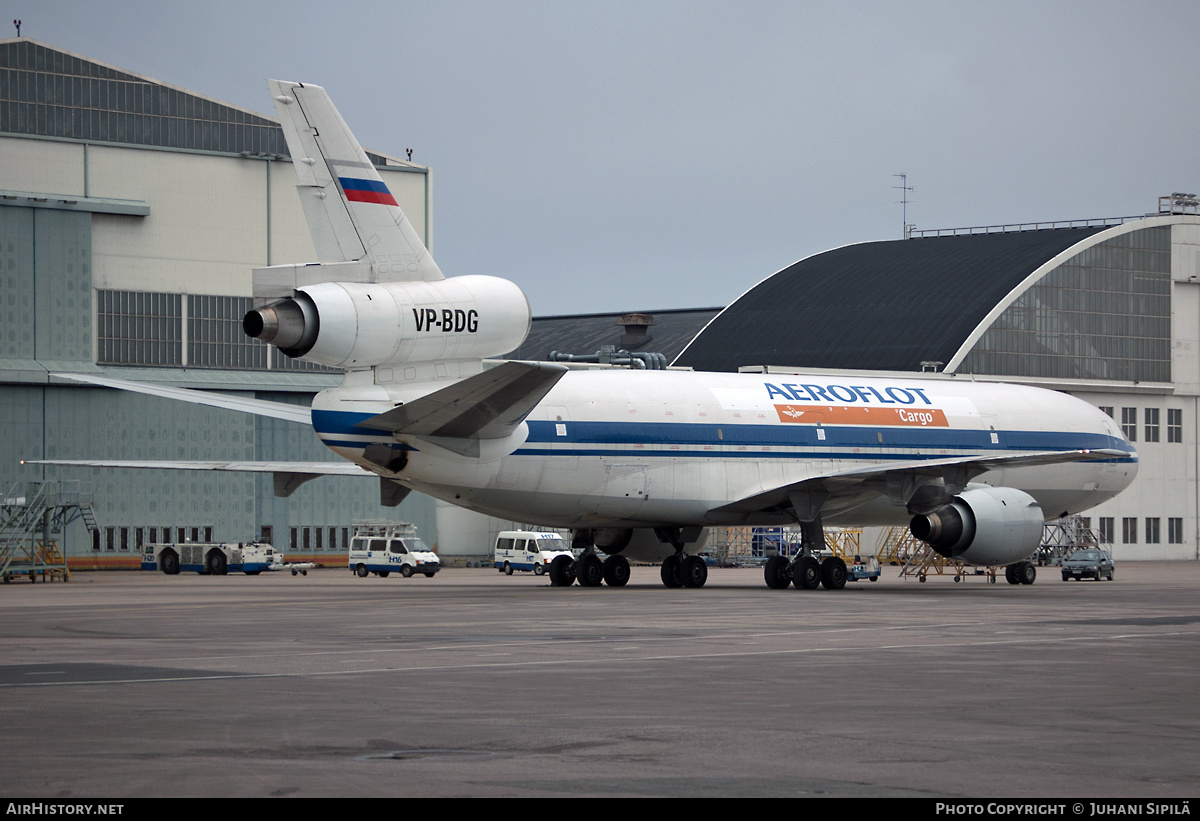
987	526
356	325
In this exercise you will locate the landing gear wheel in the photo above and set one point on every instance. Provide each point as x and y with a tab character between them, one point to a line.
383	574
539	569
833	573
616	571
405	571
362	571
170	563
1010	574
695	572
671	572
1026	572
562	571
807	573
589	570
777	573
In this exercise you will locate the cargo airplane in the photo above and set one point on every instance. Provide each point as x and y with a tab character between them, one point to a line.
636	463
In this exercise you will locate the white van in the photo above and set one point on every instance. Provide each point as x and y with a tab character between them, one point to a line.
383	547
528	550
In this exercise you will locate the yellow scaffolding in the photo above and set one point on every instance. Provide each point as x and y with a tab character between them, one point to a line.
898	547
844	542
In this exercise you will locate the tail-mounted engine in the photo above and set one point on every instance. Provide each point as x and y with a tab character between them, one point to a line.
361	325
984	526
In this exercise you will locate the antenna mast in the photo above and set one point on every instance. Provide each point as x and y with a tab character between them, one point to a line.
904	189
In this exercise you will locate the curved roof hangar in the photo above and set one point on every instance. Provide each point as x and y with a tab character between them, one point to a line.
877	305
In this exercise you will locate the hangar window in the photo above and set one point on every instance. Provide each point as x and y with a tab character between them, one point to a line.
1129	530
136	328
1174	425
1151	424
1106	529
52	94
146	328
1105	313
1152	531
1175	531
1129	423
215	336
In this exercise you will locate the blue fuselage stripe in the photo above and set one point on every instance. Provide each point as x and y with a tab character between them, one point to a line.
672	439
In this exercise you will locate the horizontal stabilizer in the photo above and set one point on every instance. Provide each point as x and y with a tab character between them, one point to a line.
257	407
489	405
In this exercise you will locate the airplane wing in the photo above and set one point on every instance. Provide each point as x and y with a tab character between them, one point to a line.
258	407
288	475
308	468
489	405
922	485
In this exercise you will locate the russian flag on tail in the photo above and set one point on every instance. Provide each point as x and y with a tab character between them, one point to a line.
366	191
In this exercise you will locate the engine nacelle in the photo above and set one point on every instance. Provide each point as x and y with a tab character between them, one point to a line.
985	526
364	324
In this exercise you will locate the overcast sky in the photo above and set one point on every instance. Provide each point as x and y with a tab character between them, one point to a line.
621	156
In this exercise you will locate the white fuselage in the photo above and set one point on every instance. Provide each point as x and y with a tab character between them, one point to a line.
618	448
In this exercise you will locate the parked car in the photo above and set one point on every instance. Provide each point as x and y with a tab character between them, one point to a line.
1088	562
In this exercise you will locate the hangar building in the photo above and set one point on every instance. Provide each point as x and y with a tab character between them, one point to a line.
1107	310
131	215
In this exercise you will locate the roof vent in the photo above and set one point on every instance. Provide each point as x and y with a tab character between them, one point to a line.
637	329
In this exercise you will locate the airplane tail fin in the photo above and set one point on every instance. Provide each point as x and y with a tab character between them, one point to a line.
376	298
351	214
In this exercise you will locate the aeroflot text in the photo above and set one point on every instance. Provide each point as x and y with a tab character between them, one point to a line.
847	393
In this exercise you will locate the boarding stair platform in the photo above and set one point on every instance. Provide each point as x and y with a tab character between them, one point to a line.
31	514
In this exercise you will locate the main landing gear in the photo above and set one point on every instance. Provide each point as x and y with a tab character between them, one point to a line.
678	570
589	570
805	572
683	571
